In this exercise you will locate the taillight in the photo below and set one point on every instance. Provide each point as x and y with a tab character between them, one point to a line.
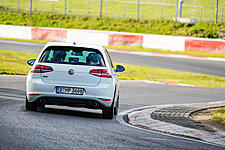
100	73
42	69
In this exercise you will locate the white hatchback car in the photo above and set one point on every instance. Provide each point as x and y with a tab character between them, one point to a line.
73	75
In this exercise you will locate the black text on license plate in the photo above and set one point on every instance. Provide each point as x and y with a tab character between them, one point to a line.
69	90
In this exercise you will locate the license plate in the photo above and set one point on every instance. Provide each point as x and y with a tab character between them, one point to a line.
70	90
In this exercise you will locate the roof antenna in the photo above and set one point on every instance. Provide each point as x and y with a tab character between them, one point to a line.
74	43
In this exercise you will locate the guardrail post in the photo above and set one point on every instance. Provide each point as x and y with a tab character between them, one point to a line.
30	7
35	4
217	4
89	6
138	5
100	15
161	11
106	5
53	6
180	8
176	10
18	4
65	8
70	6
124	9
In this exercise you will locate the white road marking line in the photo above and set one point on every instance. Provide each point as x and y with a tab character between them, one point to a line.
163	83
160	139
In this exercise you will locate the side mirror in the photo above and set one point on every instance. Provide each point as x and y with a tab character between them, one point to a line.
119	68
31	62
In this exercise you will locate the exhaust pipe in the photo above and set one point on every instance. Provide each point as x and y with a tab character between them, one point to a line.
94	104
42	101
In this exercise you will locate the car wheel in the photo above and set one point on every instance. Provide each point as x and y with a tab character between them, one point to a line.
116	108
31	105
108	112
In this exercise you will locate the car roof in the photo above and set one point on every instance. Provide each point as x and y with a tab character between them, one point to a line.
98	47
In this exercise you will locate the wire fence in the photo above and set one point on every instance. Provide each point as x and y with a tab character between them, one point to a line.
202	10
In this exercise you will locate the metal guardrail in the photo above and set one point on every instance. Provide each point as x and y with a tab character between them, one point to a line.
126	9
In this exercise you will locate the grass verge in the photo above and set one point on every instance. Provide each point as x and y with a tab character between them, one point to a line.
161	27
24	40
166	75
12	62
219	116
139	48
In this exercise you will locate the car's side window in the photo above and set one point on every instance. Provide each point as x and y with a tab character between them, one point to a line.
109	58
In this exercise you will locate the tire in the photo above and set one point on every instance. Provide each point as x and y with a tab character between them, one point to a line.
31	105
116	108
108	112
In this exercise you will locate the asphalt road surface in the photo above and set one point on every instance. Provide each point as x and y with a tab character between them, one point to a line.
190	65
63	128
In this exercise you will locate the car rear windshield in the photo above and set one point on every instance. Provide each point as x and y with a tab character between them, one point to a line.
72	55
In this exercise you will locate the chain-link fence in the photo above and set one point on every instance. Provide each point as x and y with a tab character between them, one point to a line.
202	10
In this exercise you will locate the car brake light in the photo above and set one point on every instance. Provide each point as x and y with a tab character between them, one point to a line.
100	73
42	69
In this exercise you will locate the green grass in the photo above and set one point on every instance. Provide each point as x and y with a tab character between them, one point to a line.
162	27
25	40
157	74
219	116
12	62
91	8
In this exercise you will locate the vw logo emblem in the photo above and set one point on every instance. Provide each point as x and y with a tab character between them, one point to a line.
71	72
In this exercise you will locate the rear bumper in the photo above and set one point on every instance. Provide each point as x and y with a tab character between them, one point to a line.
47	94
86	103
